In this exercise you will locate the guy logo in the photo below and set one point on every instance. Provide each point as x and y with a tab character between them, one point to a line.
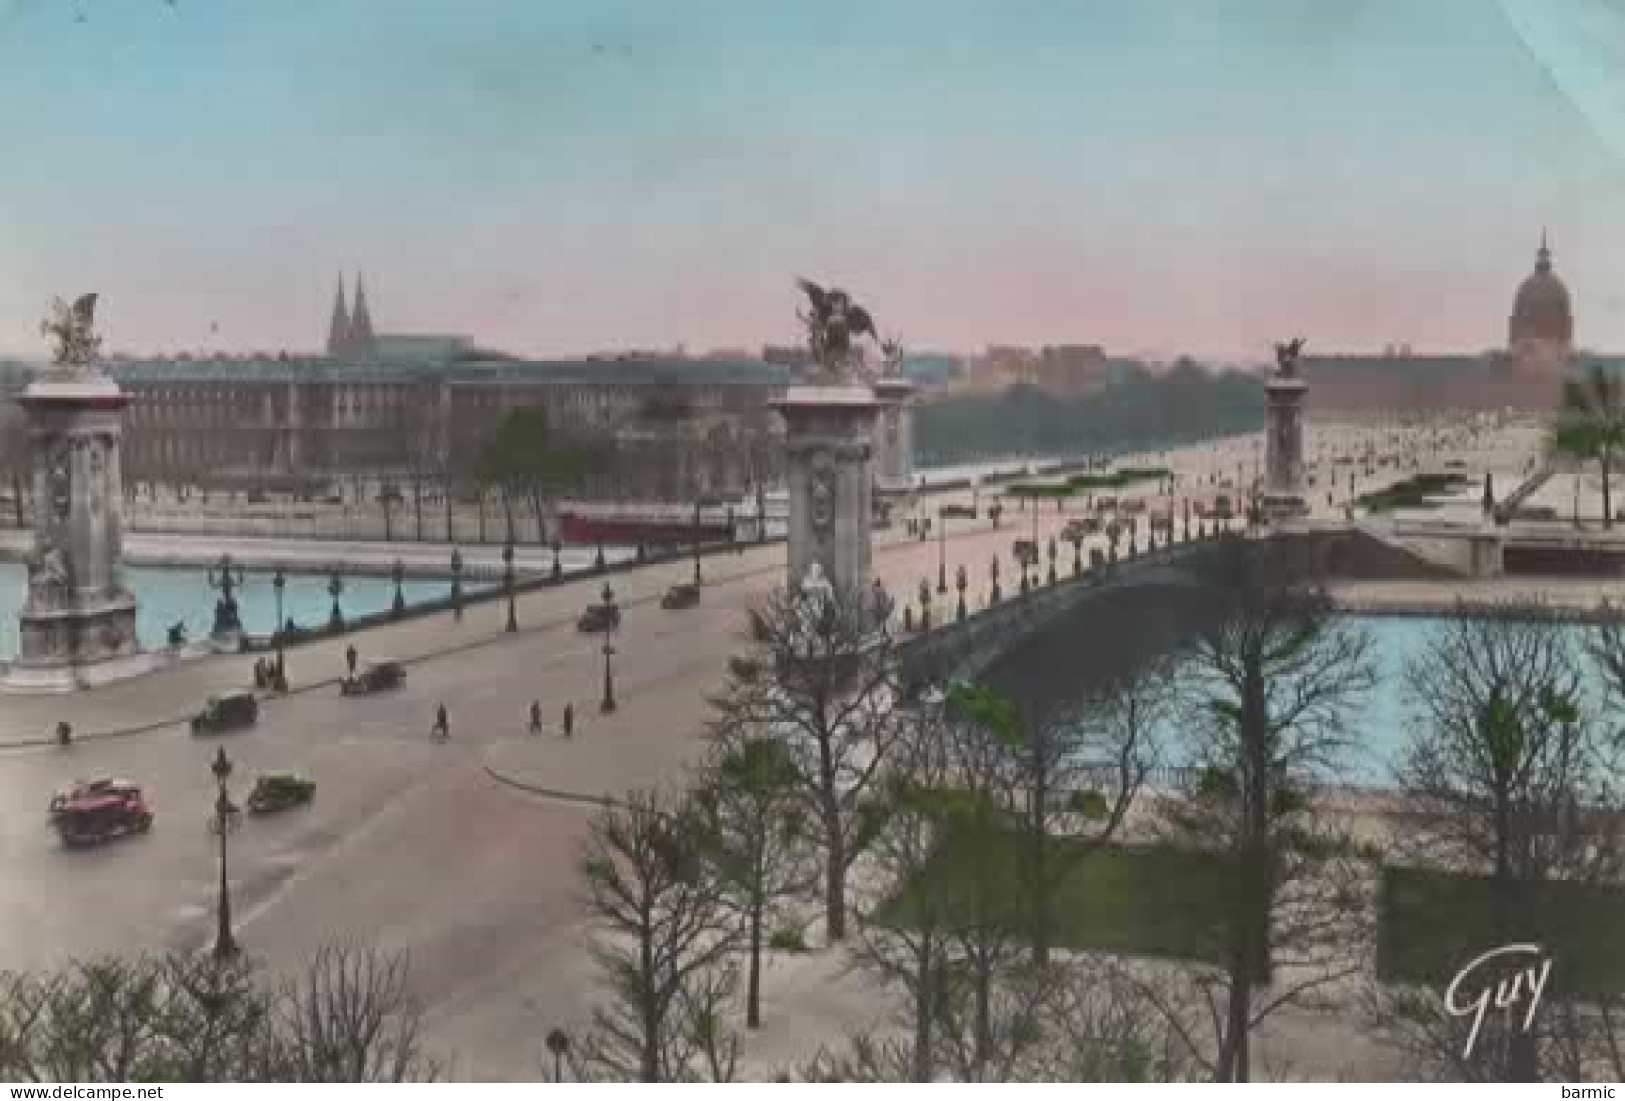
1509	990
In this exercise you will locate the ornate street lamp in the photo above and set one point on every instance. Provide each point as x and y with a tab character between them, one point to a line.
607	704
224	821
507	584
960	583
457	583
279	581
226	579
335	589
397	574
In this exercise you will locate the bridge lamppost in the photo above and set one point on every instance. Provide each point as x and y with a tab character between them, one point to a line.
335	589
397	574
222	824
942	551
457	584
607	704
508	585
279	581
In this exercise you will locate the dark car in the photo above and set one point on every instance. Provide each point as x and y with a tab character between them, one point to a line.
680	596
958	512
221	714
278	791
375	676
94	811
599	618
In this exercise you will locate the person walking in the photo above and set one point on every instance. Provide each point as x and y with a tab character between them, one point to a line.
350	657
569	720
535	716
442	725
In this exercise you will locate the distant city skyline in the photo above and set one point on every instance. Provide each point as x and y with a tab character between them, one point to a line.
557	178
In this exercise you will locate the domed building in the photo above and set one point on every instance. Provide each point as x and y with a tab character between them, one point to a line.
1540	312
1526	375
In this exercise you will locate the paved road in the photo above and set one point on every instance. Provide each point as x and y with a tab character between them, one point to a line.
410	844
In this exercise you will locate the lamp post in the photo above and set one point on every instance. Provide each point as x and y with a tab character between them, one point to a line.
558	570
507	584
397	574
959	583
335	589
225	820
607	704
457	584
279	581
993	594
1077	554
1052	560
942	551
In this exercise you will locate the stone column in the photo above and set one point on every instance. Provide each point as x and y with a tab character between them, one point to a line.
77	626
1285	484
829	450
894	435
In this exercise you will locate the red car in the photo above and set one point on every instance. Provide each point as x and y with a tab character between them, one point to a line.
93	811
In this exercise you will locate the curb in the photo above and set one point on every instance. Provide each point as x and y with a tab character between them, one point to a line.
575	798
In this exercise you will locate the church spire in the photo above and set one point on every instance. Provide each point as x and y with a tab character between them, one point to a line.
1543	258
360	321
338	329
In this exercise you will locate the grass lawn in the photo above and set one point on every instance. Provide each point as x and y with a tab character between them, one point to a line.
1432	924
1139	901
1413	492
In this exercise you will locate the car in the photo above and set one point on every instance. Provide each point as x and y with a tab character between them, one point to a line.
277	791
375	676
958	512
222	714
680	596
93	811
599	618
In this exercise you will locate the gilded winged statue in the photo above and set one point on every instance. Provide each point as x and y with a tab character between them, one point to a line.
73	328
834	324
1286	357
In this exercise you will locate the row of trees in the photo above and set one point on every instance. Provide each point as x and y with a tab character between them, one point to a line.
938	832
347	1016
1183	404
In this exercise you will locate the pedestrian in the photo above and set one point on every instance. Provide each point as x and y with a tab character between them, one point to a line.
350	657
535	716
569	719
442	726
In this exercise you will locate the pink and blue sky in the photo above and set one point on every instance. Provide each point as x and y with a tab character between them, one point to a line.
1159	176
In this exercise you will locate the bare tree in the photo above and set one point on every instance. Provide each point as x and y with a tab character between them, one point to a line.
663	940
1510	782
350	1016
825	684
1274	679
749	803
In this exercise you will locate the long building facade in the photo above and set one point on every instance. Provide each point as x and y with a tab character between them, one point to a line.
1526	375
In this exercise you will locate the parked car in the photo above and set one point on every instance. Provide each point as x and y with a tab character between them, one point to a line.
599	618
958	512
222	714
680	596
375	676
277	791
93	811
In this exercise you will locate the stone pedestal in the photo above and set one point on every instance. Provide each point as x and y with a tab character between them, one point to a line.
829	442
77	626
894	436
1285	482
